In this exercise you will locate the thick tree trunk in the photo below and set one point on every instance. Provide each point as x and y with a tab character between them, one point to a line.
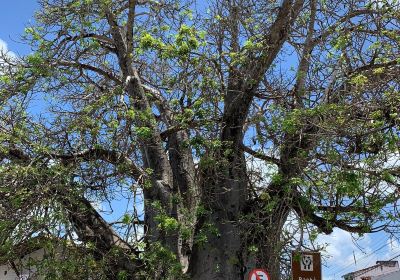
186	190
241	242
224	194
262	236
225	190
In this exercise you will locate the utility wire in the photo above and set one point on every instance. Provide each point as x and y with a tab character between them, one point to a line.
396	256
365	256
361	260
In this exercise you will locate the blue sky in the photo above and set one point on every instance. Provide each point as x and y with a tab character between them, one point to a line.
14	16
345	255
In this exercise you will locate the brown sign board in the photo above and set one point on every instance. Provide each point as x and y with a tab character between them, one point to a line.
306	265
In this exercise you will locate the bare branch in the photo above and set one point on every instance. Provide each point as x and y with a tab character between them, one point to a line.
260	155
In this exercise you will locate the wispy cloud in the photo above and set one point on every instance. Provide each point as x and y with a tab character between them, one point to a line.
3	46
344	254
4	51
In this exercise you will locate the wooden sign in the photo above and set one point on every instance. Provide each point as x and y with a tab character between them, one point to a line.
306	266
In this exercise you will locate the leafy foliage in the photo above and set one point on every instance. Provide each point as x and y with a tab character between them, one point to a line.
173	140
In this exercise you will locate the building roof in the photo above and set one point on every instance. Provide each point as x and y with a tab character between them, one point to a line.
26	247
389	263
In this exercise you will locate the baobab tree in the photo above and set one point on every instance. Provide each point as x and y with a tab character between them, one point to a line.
163	105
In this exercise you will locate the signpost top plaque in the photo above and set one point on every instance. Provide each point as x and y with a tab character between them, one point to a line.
306	266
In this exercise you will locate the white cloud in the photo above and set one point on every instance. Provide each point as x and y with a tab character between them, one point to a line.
4	51
260	171
393	248
340	247
344	254
3	46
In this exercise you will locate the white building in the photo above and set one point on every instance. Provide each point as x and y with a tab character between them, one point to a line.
21	269
376	272
389	276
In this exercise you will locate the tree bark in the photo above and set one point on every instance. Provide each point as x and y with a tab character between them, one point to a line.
220	257
186	190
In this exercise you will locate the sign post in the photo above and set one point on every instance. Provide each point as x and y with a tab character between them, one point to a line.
306	266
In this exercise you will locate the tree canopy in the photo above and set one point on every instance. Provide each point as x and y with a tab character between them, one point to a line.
225	132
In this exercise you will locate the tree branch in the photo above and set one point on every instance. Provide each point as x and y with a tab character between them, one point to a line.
305	58
333	29
259	155
97	70
110	156
129	25
274	40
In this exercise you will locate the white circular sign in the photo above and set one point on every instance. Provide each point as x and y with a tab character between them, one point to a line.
258	274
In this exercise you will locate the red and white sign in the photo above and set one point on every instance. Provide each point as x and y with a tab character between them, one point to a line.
258	274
